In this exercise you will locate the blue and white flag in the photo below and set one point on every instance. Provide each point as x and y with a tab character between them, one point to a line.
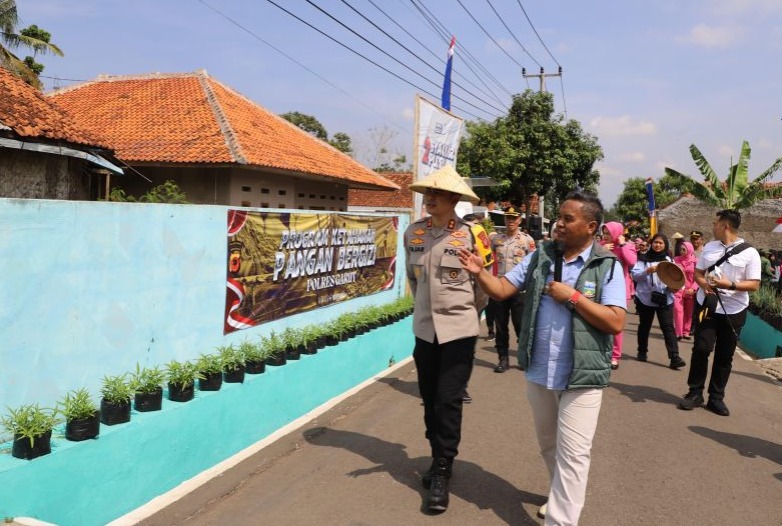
446	103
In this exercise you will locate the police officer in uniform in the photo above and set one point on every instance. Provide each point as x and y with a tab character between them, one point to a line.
445	317
509	249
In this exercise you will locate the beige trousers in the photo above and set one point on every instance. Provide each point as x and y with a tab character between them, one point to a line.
565	422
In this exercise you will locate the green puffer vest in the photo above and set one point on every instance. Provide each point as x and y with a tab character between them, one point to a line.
591	347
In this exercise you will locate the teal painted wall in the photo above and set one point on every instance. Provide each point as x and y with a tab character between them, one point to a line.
759	338
92	482
92	288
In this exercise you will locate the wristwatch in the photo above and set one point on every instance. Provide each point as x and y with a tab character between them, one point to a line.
732	285
573	300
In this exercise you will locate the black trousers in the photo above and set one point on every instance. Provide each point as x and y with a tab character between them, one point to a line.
665	317
489	310
443	373
714	333
504	311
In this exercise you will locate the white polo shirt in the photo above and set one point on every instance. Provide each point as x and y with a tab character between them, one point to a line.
739	267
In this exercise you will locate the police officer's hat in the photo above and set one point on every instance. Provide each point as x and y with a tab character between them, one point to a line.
512	212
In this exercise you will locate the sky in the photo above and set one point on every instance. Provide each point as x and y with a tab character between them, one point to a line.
647	79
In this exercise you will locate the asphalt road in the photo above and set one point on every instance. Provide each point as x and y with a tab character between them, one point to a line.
360	462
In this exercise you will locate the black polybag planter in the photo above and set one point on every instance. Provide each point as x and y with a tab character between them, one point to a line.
42	445
177	393
211	381
234	376
112	413
153	401
255	367
80	429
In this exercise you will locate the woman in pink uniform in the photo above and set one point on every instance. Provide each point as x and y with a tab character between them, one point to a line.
684	299
614	240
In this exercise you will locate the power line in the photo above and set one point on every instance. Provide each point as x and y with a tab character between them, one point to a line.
467	80
443	32
488	35
537	34
437	71
370	60
237	24
512	34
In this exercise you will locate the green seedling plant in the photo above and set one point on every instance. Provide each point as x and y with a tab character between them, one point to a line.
209	364
272	344
253	353
29	421
182	374
116	389
231	357
147	379
77	405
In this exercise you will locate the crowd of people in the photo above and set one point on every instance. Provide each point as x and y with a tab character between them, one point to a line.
567	299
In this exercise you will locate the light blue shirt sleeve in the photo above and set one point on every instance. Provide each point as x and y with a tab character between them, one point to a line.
518	274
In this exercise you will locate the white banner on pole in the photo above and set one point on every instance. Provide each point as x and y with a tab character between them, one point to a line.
437	135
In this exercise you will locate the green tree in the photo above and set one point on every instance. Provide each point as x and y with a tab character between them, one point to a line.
341	141
530	151
32	37
308	123
168	192
736	191
632	205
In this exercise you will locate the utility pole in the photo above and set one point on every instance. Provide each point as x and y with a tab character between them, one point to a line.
542	75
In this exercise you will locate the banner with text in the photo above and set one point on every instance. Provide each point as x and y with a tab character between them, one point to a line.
437	136
284	264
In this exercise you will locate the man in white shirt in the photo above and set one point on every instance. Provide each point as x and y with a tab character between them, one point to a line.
731	281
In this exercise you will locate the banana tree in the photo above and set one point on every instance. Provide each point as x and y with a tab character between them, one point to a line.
736	191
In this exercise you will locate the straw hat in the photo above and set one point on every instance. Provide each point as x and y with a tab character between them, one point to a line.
670	274
446	179
677	236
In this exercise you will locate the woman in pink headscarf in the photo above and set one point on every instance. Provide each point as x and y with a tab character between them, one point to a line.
614	240
684	299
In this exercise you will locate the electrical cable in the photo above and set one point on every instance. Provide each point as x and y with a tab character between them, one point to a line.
246	30
443	32
489	35
377	48
537	34
437	71
513	35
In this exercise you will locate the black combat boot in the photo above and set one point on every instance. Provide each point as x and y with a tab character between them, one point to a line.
437	500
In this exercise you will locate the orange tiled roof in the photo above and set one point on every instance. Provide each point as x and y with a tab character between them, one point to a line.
402	198
28	113
192	118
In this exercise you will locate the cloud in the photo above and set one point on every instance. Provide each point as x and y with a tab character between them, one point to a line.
712	37
620	126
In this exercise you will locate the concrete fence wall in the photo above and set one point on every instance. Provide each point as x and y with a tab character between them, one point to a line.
91	288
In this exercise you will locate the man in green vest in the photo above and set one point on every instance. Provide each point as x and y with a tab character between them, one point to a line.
575	303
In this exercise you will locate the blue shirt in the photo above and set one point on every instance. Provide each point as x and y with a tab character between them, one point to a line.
552	351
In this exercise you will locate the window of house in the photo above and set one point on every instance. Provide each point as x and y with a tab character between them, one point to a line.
264	190
281	205
312	196
246	203
317	208
301	195
332	197
264	205
282	192
323	197
247	189
341	198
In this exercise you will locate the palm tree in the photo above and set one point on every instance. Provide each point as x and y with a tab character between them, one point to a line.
736	191
11	39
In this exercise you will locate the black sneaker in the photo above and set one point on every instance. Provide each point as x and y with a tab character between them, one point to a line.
717	407
502	366
641	356
437	500
691	400
426	478
677	362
